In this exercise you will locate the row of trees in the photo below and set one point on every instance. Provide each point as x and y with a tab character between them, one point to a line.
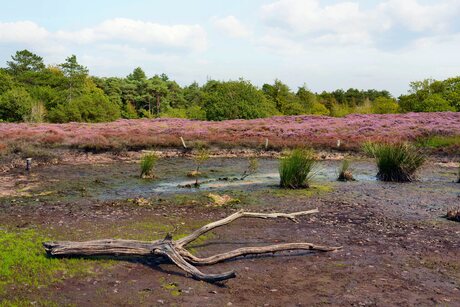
31	91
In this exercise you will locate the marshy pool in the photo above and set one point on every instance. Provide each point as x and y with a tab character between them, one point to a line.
120	180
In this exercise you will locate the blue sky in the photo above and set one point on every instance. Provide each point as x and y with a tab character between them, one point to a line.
382	44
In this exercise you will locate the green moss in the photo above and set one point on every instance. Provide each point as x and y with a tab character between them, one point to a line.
171	287
26	265
23	302
312	191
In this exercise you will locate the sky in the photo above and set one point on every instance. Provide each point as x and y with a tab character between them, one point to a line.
325	45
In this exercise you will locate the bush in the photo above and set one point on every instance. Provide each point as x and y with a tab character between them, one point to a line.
396	162
296	169
147	163
384	105
345	173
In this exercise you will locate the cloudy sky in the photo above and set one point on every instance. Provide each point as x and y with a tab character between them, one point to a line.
382	44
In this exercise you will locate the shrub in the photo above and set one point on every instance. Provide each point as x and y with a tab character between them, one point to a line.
396	162
147	163
296	169
345	173
253	166
201	156
384	105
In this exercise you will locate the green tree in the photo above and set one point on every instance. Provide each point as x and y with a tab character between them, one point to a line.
24	61
236	99
15	105
76	75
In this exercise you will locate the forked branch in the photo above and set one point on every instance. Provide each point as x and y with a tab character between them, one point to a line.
175	251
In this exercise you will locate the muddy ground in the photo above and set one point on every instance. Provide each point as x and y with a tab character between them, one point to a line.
397	247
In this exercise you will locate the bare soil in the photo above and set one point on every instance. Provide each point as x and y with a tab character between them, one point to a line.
398	250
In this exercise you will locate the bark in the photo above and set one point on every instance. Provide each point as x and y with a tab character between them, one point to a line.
175	251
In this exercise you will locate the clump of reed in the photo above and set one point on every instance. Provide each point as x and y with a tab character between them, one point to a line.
296	169
345	173
396	162
147	164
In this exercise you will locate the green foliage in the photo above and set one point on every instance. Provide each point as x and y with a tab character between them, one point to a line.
434	103
384	105
15	105
24	61
235	100
91	106
296	169
440	141
195	112
432	96
253	166
396	162
147	164
25	264
30	91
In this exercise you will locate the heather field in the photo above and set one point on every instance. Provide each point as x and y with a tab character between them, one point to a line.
285	131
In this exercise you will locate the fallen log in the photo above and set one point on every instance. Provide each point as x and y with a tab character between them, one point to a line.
175	251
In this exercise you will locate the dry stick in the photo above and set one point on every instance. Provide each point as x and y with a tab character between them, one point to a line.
175	251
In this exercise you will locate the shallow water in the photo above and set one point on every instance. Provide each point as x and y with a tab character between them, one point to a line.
121	180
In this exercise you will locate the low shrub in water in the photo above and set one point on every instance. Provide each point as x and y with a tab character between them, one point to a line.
296	169
396	162
345	173
147	163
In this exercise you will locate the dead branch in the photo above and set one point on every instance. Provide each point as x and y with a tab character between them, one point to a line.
174	249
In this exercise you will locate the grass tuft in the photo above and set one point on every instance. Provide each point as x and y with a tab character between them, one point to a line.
147	163
396	162
345	173
296	169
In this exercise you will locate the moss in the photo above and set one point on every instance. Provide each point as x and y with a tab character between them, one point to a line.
171	287
26	265
314	190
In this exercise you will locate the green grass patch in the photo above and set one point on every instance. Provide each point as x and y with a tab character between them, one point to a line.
25	264
439	141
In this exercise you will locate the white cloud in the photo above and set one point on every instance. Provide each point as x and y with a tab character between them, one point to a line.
22	31
347	22
127	30
119	30
421	17
231	26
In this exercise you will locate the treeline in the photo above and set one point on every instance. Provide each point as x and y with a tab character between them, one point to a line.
33	92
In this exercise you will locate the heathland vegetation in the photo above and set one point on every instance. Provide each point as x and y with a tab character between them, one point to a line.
32	91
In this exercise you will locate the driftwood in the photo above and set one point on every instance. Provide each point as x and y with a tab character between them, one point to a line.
175	250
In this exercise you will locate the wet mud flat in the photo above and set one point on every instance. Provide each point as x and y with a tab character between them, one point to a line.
397	247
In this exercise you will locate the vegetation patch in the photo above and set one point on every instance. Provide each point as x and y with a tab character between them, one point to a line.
296	169
25	264
396	162
148	162
345	173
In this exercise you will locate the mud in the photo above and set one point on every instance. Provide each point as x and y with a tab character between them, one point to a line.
398	250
